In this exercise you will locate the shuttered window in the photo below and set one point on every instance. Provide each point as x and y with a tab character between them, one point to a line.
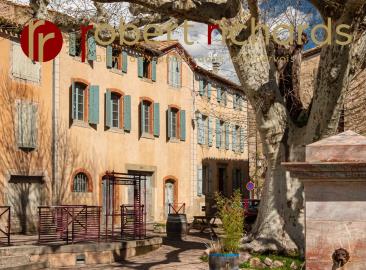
116	100
118	110
210	131
80	183
218	133
174	68
173	123
93	103
26	124
200	130
78	100
147	68
117	59
23	67
205	88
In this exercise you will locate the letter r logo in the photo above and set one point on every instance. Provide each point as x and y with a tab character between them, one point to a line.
41	40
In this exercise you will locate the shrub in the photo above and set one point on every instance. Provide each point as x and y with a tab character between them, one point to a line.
231	213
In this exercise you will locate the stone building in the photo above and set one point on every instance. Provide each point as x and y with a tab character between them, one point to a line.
146	108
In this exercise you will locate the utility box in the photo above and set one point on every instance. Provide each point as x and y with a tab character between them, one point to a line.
334	178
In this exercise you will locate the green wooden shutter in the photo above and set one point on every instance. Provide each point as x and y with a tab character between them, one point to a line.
140	66
72	44
109	56
34	126
92	49
200	135
171	70
156	119
199	180
218	133
179	75
153	71
127	113
227	138
73	101
142	117
93	104
19	127
201	90
209	90
169	124
182	127
218	89
240	103
124	61
210	131
108	109
233	146
242	140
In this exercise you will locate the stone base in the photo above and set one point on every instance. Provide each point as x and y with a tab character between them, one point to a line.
84	253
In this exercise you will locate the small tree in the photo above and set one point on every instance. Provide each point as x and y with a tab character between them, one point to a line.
231	213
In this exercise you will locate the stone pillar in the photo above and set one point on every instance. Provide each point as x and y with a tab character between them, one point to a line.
334	178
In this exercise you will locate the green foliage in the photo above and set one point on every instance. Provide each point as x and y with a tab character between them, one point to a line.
286	260
231	213
204	258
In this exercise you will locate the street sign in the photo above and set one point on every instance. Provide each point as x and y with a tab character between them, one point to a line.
250	186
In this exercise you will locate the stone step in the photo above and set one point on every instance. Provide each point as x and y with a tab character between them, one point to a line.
28	266
13	260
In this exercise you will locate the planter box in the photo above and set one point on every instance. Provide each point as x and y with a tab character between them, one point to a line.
220	261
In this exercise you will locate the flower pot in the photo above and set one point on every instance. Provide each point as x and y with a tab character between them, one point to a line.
223	261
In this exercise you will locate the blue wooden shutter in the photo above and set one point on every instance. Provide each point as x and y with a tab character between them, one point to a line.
72	44
242	140
209	90
124	62
142	116
210	131
93	104
109	56
199	180
218	133
153	70
182	127
227	138
233	146
140	66
171	70
92	49
200	129
127	113
218	89
201	90
73	101
156	119
108	108
169	124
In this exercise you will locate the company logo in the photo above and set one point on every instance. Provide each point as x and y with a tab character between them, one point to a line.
41	40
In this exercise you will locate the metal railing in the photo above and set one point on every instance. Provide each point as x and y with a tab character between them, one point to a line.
133	222
69	223
5	225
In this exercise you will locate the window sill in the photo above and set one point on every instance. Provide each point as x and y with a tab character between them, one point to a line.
173	87
79	123
174	140
147	80
78	59
148	136
116	71
116	130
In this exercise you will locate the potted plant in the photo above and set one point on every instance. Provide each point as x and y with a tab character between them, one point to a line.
225	254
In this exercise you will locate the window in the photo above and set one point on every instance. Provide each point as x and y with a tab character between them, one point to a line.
79	101
116	59
147	68
80	183
118	110
205	88
75	46
237	179
116	104
23	67
176	123
237	102
149	118
26	124
174	69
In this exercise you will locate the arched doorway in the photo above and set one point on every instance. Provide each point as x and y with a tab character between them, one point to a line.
170	193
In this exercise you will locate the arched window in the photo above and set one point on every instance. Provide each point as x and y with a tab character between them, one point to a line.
80	183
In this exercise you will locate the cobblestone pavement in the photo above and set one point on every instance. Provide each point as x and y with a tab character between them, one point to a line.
182	255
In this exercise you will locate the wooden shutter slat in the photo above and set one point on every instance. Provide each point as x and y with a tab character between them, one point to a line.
156	119
108	108
140	67
124	62
92	49
153	72
209	131
93	104
182	127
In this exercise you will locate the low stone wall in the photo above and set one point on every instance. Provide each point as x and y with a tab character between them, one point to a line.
85	253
